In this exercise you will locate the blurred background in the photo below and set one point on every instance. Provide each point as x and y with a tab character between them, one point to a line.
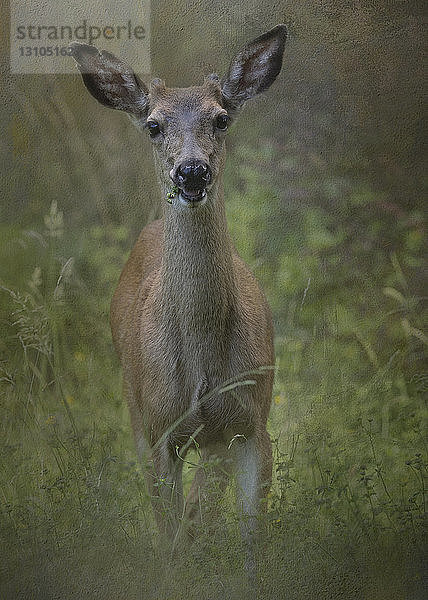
325	189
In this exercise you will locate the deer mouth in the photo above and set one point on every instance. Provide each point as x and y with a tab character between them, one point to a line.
192	197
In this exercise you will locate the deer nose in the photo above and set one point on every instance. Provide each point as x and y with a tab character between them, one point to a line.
193	175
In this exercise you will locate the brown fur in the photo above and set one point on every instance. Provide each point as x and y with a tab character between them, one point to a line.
188	316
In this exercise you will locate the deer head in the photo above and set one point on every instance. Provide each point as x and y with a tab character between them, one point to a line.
187	126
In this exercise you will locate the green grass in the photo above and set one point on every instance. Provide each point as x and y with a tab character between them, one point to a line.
347	511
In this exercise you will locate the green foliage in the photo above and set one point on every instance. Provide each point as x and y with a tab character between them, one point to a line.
348	418
325	201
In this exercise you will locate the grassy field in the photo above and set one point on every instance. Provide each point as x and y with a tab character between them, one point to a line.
346	515
324	182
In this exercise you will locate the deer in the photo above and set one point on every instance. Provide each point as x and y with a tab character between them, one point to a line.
190	324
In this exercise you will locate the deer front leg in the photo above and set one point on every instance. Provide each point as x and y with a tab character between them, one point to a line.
208	486
253	460
167	491
162	471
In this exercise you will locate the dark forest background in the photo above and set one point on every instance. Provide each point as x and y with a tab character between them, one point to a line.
325	188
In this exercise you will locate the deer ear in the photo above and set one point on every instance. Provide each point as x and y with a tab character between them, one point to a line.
255	68
111	81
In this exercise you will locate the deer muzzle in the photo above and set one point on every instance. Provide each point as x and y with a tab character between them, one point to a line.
192	178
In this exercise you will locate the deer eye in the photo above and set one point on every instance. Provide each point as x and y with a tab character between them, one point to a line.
153	128
222	121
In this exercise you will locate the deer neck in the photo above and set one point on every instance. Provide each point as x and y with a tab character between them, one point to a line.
198	292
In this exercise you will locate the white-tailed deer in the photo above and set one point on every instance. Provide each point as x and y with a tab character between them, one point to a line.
190	324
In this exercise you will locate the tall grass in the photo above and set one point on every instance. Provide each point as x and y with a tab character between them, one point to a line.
346	515
323	196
